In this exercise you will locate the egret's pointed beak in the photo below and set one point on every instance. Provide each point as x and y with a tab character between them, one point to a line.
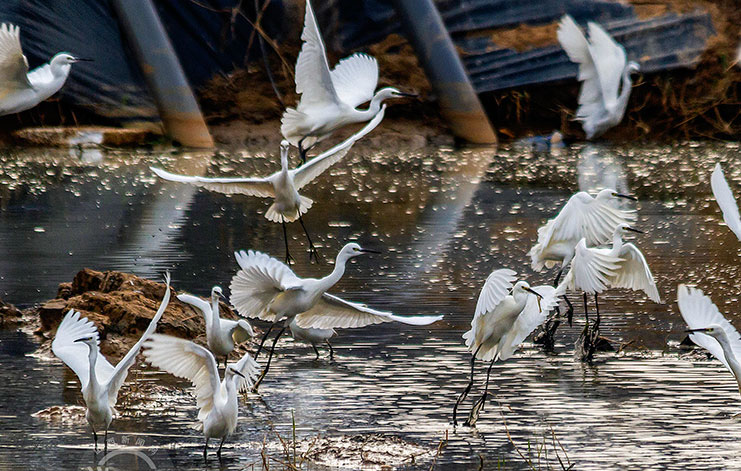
633	230
692	331
84	339
238	373
407	95
534	292
369	251
627	197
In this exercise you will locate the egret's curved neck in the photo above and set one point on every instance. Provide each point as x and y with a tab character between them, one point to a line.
59	71
617	242
373	108
339	270
92	357
215	319
625	92
284	162
725	344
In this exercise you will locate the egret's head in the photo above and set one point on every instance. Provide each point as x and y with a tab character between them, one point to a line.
623	228
353	250
391	92
216	293
523	286
64	58
284	145
632	67
90	341
231	371
713	330
609	193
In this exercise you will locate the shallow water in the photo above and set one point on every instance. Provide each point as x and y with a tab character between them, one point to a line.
444	219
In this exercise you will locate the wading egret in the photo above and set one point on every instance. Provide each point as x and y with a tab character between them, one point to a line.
506	313
602	65
76	344
221	334
329	97
283	185
709	329
726	201
216	400
20	89
313	337
267	289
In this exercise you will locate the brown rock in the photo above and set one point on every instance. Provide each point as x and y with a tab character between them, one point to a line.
9	314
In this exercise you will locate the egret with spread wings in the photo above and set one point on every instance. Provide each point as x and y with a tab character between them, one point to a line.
20	89
602	67
267	289
726	201
76	343
329	98
506	313
283	185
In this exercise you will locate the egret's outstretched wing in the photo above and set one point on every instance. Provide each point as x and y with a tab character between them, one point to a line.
250	369
534	314
316	166
331	312
260	279
726	201
13	64
634	273
699	312
497	286
313	79
609	60
355	79
75	354
199	304
118	376
252	186
187	360
590	270
241	330
572	40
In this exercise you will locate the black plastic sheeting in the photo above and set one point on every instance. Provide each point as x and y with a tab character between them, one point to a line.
208	38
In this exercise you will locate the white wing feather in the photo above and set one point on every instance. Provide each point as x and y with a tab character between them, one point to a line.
250	369
187	360
313	79
355	79
252	186
199	304
533	315
13	64
572	40
241	330
699	312
726	201
75	354
497	286
590	270
634	273
316	166
332	312
609	60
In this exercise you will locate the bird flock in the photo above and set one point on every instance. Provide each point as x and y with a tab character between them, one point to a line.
585	240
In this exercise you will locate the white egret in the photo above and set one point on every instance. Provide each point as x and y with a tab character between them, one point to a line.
313	337
99	380
329	97
283	185
267	289
20	89
602	66
506	313
216	400
221	334
726	201
709	329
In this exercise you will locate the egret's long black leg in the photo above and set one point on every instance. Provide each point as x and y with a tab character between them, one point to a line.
218	452
95	439
105	441
301	151
226	359
465	392
316	350
264	338
205	449
596	306
331	350
479	406
289	259
270	357
312	249
586	310
558	277
570	310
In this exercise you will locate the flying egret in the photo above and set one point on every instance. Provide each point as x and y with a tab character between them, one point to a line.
506	313
20	89
221	334
329	98
726	201
217	400
313	337
99	380
267	289
602	65
709	329
283	185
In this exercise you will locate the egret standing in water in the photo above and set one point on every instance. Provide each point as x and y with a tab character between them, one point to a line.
726	201
506	313
221	334
283	185
217	402
76	344
709	329
313	337
20	89
267	289
329	97
602	66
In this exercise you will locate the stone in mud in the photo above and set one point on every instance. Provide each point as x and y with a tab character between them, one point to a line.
372	451
9	314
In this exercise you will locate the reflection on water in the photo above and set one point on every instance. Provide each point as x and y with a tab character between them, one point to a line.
444	219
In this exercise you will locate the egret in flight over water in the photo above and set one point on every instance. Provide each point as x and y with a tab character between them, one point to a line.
506	313
20	89
216	399
283	185
329	97
602	67
221	334
76	344
267	289
726	201
709	329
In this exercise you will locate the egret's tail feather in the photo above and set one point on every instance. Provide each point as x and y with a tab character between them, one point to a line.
305	204
291	124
